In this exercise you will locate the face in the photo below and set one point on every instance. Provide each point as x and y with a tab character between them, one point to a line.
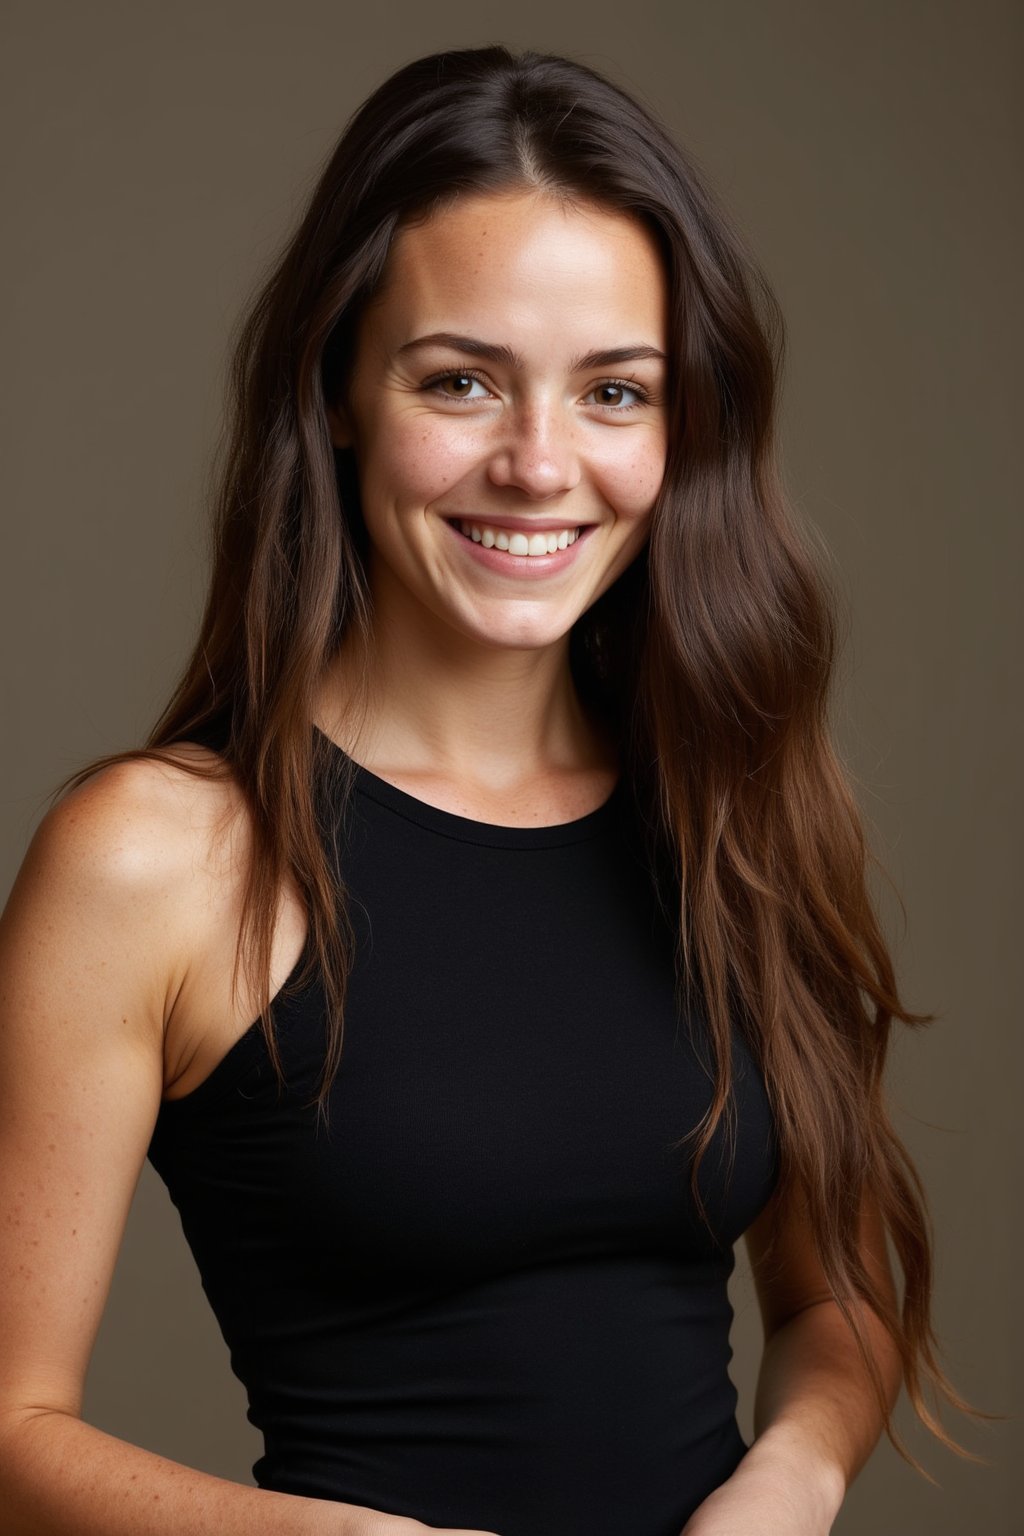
507	396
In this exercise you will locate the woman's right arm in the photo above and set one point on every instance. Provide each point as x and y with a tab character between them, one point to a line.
94	947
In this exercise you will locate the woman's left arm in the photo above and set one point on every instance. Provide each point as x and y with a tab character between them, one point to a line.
816	1417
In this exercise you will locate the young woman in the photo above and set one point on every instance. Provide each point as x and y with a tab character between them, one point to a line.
480	945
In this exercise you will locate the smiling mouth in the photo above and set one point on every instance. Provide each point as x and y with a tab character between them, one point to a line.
520	542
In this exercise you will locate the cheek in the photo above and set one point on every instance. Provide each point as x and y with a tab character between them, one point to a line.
632	479
417	460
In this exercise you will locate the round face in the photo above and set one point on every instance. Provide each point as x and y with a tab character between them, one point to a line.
506	409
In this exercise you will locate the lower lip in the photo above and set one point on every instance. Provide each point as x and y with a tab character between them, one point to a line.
522	566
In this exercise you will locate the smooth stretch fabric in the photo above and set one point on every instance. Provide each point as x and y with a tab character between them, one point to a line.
482	1297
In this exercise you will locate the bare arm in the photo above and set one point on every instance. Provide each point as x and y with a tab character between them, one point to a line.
94	946
815	1404
816	1417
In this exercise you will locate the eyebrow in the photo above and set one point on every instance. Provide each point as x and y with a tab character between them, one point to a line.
493	353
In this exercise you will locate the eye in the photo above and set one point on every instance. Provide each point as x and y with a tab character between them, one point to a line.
610	394
461	383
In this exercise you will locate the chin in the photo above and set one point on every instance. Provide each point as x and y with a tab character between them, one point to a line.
518	637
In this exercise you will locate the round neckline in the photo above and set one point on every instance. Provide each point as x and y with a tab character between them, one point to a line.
467	829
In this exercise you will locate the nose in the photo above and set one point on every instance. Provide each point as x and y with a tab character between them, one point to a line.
536	451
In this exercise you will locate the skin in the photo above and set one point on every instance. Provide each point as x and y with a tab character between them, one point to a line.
117	944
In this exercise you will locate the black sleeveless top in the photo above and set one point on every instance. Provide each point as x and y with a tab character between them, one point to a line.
481	1296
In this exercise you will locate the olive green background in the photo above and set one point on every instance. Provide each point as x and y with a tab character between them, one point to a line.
156	155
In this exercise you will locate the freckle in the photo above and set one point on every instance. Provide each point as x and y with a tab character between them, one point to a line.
52	1146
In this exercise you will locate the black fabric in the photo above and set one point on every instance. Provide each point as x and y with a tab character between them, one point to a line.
482	1297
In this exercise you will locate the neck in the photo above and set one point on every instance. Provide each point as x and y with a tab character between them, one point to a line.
443	706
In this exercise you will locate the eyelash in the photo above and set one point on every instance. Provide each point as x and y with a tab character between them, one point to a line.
643	398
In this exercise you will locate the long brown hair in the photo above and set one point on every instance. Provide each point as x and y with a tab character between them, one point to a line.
711	656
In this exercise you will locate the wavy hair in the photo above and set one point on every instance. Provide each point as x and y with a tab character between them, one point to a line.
711	656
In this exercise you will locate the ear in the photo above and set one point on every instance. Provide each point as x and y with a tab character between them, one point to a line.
341	427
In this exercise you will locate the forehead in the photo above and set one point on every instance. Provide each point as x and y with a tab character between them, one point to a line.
523	261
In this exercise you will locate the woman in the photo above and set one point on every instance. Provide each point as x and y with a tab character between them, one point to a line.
503	755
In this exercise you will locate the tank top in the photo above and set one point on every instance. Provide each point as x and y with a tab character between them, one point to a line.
481	1295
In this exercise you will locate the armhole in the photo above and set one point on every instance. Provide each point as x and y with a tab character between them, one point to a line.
250	1053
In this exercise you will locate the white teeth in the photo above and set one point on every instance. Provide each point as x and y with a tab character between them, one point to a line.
520	543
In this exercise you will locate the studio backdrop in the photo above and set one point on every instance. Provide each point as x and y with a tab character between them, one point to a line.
155	158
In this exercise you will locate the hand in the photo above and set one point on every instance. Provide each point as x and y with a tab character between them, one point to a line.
768	1495
360	1521
414	1528
740	1507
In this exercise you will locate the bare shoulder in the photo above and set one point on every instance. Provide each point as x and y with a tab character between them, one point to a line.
141	827
132	895
122	863
135	811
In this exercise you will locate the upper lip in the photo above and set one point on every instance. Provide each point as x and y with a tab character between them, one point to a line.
517	524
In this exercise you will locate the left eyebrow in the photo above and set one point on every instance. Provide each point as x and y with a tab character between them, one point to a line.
639	352
499	354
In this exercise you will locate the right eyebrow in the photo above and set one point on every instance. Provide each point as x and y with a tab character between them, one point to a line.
485	349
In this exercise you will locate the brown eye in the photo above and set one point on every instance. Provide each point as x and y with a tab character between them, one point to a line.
611	394
456	386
